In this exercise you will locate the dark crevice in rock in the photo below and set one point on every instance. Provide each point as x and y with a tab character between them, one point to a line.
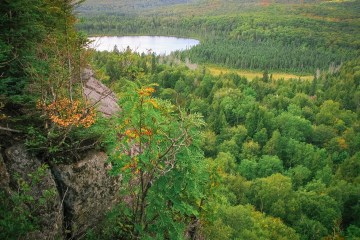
65	211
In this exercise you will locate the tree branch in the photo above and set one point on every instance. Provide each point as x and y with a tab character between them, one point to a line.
9	129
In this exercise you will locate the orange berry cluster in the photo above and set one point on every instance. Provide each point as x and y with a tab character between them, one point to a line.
65	113
146	91
153	102
134	133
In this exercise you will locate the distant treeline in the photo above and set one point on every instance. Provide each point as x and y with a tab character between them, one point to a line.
275	38
126	6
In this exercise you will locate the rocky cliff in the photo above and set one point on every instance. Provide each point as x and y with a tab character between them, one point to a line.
83	192
20	168
65	199
97	93
88	191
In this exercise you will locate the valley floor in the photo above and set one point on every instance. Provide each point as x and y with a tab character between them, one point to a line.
251	74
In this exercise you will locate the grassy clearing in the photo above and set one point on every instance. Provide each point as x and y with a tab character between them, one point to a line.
215	70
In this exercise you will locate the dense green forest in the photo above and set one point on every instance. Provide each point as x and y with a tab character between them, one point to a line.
128	7
215	157
293	38
284	153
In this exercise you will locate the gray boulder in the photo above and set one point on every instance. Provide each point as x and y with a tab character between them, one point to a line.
88	192
49	214
100	95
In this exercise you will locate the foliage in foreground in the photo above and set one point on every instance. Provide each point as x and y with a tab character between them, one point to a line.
288	148
19	208
155	147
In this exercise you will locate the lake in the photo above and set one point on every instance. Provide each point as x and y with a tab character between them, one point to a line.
142	44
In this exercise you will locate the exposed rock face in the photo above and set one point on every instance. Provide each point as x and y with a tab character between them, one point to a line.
98	93
83	191
88	190
50	215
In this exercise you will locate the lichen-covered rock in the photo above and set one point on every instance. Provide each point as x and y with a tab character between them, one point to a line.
88	192
96	92
49	214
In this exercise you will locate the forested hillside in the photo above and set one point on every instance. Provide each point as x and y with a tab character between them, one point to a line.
127	7
195	155
280	151
149	156
284	155
287	37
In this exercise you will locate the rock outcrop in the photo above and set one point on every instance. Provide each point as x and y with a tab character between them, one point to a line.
49	214
98	93
88	192
82	192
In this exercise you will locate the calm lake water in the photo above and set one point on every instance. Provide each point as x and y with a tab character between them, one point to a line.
142	44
